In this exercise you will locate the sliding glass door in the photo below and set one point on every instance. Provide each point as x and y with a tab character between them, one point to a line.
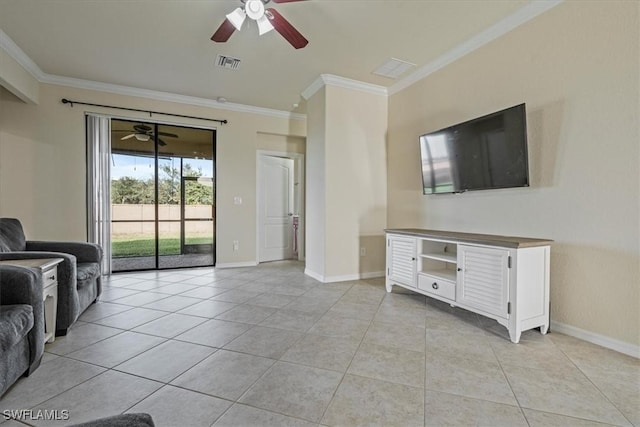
163	196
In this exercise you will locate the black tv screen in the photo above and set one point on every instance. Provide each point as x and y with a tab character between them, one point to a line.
484	153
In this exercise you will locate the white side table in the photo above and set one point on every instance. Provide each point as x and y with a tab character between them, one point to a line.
49	269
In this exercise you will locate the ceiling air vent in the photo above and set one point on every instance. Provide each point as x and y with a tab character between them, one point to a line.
227	62
393	68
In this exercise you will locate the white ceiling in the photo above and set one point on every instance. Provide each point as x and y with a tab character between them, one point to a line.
164	45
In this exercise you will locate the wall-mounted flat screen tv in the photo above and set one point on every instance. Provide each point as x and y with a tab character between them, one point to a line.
484	153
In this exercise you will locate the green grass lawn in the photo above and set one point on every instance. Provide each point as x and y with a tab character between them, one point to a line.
132	247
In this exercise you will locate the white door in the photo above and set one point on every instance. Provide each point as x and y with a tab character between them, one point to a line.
275	210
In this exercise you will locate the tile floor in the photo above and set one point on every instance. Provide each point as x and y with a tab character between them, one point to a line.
269	346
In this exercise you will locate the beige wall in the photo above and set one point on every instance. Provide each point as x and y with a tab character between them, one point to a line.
42	163
576	67
316	186
351	143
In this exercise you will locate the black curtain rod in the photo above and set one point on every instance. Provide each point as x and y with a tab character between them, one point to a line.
150	112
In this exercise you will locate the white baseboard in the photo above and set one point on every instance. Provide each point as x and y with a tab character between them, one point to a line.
343	278
236	264
604	341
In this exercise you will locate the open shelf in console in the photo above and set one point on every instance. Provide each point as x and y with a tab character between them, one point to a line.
438	259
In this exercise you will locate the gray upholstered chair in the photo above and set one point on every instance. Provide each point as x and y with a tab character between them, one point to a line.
79	275
21	323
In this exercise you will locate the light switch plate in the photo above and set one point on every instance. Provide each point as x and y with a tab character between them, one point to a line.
237	200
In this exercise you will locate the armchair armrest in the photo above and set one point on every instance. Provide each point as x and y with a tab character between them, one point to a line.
21	285
84	252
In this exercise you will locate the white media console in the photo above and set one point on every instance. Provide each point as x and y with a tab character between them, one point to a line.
500	277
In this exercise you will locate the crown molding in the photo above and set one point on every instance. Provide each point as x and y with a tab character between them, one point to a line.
522	15
333	80
14	51
167	96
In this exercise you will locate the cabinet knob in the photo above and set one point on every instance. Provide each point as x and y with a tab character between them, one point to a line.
413	258
52	278
459	269
435	285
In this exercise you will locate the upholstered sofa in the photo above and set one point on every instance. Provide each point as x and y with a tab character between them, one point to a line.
21	323
79	275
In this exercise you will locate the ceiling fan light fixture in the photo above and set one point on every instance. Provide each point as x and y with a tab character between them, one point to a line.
264	26
142	137
237	18
254	9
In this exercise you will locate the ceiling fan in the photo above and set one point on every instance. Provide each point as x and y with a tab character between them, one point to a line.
267	20
143	133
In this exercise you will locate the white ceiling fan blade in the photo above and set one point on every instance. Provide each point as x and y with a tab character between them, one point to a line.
127	136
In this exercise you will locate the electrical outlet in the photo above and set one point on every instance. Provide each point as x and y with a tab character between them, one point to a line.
363	251
236	246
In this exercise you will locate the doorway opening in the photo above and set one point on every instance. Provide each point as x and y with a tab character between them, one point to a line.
162	196
280	201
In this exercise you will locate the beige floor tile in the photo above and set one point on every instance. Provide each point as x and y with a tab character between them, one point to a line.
170	326
468	377
310	304
141	298
530	353
175	288
389	364
117	349
172	406
545	419
46	382
271	300
80	335
472	346
112	294
566	394
333	325
131	318
291	320
243	415
208	308
165	361
443	409
214	333
173	303
266	342
101	310
396	335
413	316
245	313
224	374
107	394
354	310
323	352
237	296
204	292
368	402
364	294
294	390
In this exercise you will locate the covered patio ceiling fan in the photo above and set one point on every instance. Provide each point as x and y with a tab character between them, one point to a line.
144	133
267	20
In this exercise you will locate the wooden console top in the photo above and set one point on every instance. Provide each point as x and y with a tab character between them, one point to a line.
479	239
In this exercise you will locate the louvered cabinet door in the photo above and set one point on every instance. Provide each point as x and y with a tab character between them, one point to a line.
401	256
483	279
